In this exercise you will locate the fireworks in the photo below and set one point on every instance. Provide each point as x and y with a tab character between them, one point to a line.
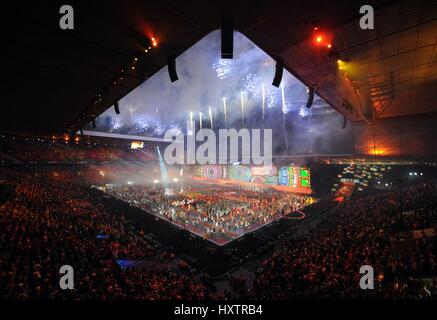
144	125
210	117
175	126
158	130
242	108
200	120
247	81
251	84
223	68
303	112
263	100
271	98
191	120
190	128
284	104
224	110
284	111
141	125
116	124
175	130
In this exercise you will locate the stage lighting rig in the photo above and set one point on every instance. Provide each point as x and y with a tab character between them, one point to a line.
171	64
116	109
310	100
227	37
279	70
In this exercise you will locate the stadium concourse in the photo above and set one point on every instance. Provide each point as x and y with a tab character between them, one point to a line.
219	150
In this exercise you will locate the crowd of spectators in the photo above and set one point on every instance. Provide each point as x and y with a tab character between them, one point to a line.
48	219
46	151
47	223
325	263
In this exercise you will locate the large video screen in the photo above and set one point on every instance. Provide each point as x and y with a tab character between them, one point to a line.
291	178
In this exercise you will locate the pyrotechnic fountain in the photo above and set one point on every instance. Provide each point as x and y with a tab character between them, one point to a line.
168	190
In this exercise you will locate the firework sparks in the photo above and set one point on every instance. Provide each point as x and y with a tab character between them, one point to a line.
224	109
210	117
263	100
200	120
158	130
251	84
304	112
223	68
284	104
242	108
191	120
116	124
271	98
284	111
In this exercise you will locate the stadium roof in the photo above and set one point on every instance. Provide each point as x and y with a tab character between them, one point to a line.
52	78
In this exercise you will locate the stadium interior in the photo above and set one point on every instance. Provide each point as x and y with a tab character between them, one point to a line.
89	113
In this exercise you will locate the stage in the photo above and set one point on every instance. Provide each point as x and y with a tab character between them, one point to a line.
217	213
205	255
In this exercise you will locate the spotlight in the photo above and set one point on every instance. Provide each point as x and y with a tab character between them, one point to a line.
320	38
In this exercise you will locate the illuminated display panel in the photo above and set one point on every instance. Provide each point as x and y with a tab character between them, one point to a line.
288	178
137	145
